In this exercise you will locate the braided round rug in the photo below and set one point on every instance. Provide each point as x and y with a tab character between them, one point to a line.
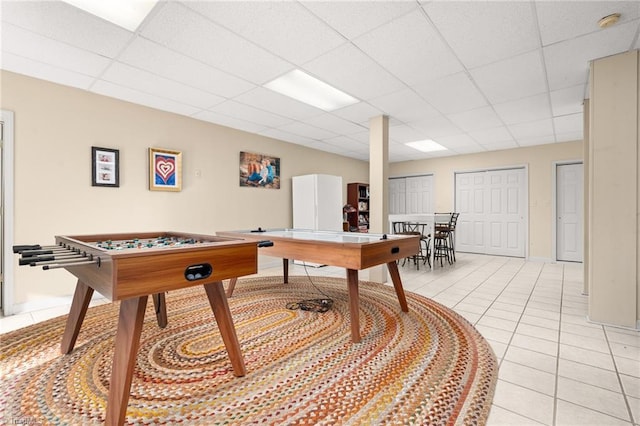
428	366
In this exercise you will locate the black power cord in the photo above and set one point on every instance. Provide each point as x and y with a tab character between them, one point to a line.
321	305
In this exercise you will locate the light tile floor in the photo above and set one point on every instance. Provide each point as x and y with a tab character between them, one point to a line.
556	368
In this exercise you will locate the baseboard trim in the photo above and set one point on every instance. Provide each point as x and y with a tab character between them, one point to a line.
47	303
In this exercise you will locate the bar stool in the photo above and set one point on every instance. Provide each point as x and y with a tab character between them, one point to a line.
452	238
442	239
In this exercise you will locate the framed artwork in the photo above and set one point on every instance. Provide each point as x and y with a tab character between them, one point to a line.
165	170
259	170
105	167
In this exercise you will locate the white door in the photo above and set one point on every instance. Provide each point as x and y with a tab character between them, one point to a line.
419	194
492	207
569	212
470	203
397	196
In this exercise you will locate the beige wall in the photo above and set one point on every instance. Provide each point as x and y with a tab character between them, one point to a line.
540	161
55	127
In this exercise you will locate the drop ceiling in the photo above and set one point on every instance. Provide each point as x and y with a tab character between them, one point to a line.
474	76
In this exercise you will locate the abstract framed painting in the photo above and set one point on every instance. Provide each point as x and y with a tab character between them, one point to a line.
165	170
259	170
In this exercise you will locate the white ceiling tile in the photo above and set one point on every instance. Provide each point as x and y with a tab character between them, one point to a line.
404	105
306	130
286	136
524	110
573	123
336	124
131	95
327	147
470	149
354	18
251	114
397	57
481	32
341	141
569	137
492	136
568	61
456	142
435	127
361	137
403	134
42	49
407	47
453	93
513	78
67	24
353	72
562	20
541	140
535	129
495	146
477	119
361	112
26	66
568	101
152	57
143	81
184	31
225	120
268	100
286	28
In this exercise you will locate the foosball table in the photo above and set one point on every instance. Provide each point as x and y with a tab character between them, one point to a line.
130	267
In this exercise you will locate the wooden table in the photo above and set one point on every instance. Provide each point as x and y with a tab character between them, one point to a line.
350	250
130	275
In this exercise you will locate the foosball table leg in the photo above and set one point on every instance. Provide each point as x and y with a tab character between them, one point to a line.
79	305
128	334
232	286
160	306
220	307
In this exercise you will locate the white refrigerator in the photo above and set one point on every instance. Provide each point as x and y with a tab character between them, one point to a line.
317	203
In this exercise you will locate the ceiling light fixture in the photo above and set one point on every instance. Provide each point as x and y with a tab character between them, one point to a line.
426	145
609	20
301	86
128	14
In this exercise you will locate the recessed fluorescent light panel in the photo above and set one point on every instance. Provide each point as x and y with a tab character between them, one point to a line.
128	14
304	88
426	145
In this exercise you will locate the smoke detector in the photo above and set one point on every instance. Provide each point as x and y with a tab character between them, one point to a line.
609	20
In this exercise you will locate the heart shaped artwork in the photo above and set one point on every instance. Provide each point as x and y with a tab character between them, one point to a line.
165	168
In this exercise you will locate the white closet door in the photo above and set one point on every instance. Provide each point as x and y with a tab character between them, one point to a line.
569	209
397	196
419	194
492	206
506	212
470	203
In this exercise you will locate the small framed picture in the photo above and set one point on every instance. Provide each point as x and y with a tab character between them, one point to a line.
165	170
259	170
105	167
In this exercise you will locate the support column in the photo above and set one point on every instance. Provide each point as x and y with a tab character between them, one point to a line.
378	185
614	190
585	179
